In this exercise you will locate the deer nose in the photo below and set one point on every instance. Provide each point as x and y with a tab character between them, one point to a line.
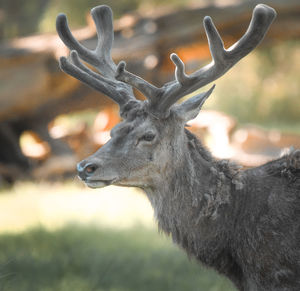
86	170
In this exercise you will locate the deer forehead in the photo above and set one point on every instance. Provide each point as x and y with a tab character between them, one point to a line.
142	122
138	124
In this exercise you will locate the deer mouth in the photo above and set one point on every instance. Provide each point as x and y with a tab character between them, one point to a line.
98	183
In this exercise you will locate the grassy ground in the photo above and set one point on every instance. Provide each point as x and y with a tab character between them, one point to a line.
88	258
65	237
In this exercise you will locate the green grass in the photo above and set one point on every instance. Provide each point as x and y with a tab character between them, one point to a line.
88	258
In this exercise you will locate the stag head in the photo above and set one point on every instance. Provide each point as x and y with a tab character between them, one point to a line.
151	136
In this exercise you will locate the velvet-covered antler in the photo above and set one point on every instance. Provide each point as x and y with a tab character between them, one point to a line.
117	83
100	58
161	99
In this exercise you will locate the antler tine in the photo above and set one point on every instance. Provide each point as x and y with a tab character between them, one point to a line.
76	61
67	37
147	89
95	81
180	74
100	58
161	99
262	18
102	16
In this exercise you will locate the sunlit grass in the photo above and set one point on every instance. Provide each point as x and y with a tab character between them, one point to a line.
52	205
89	258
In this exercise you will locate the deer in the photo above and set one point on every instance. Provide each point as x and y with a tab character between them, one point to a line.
243	223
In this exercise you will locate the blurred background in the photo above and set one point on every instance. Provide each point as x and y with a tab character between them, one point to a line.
55	234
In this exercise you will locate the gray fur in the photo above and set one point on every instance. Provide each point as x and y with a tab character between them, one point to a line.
245	224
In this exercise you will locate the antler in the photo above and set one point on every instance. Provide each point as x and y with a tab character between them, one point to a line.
100	58
161	99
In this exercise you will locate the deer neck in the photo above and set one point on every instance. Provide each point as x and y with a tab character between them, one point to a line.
191	201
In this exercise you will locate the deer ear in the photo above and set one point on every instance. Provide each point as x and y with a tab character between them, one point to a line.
190	108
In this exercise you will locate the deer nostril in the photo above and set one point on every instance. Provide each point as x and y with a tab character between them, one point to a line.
86	169
89	169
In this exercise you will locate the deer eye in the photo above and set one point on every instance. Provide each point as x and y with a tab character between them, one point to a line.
149	136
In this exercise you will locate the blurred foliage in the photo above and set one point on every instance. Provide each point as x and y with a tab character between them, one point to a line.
76	11
19	18
263	88
81	259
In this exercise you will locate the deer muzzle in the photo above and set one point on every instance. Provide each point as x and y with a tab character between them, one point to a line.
87	172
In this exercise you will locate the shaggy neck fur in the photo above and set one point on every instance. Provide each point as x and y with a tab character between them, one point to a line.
191	205
233	221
